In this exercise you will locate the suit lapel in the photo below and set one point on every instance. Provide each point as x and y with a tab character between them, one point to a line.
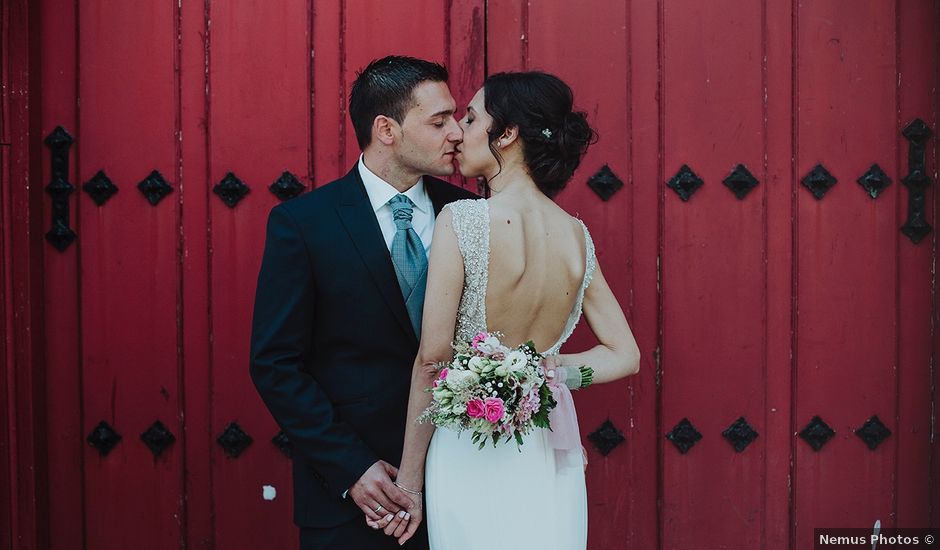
440	192
358	218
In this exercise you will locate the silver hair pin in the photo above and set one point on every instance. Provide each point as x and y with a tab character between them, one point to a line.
547	133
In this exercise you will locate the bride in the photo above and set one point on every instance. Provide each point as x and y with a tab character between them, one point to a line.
518	264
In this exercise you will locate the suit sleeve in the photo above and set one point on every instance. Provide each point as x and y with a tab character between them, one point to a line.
281	346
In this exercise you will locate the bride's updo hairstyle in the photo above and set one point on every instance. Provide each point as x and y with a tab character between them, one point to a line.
554	137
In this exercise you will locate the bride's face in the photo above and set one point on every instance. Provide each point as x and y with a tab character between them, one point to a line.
474	155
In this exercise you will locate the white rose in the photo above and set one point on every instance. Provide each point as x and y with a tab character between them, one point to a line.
489	345
461	379
475	364
517	361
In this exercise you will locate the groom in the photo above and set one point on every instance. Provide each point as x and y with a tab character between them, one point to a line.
338	305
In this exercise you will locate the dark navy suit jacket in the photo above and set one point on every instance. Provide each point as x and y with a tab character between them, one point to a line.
331	344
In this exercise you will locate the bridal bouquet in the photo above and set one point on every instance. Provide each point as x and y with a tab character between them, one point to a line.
492	390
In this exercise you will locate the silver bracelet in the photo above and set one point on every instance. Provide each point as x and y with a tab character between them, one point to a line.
418	493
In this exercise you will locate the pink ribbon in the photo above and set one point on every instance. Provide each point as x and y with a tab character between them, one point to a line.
564	435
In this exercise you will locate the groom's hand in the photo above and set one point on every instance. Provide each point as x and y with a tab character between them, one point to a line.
377	496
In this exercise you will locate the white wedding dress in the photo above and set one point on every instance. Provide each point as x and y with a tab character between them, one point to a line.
500	498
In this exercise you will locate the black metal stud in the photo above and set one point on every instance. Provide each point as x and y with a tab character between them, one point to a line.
60	235
685	182
157	438
287	186
104	438
740	181
231	190
606	438
916	181
283	443
874	180
819	181
740	434
154	187
100	188
684	436
873	432
817	433
605	183
234	440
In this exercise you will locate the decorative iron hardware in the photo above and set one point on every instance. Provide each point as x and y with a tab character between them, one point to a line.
684	436
154	187
283	443
103	438
60	235
819	181
157	438
100	188
817	433
605	183
287	186
873	432
606	438
916	181
740	181
234	440
685	182
740	434
231	190
874	180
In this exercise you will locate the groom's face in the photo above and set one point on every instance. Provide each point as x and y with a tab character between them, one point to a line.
429	132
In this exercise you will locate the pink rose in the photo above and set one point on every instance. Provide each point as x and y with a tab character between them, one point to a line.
476	408
494	409
443	375
477	339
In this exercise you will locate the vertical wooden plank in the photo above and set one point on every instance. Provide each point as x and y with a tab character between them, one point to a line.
258	128
329	120
563	38
713	272
130	271
846	255
66	433
20	204
197	440
466	62
778	194
644	444
507	28
918	52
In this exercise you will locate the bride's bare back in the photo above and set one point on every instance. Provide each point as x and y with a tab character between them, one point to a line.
537	264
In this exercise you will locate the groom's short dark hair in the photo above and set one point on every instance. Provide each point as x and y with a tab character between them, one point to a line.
385	87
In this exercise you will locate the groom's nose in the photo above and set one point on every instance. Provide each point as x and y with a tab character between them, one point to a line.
455	133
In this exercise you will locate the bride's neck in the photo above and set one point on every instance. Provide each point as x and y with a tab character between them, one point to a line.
511	180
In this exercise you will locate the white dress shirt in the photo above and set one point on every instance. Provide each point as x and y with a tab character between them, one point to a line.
380	192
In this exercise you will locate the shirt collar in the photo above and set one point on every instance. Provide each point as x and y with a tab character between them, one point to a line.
380	191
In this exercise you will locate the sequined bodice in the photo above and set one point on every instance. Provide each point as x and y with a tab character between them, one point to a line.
472	227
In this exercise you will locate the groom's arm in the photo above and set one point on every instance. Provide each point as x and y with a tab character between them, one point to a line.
282	330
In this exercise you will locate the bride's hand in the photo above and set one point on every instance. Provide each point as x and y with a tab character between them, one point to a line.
408	526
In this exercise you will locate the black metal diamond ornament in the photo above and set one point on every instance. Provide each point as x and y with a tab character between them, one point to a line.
231	190
100	188
283	443
819	181
684	436
605	183
817	433
157	438
740	434
685	182
104	438
874	181
917	131
154	187
740	181
287	186
606	438
234	440
873	432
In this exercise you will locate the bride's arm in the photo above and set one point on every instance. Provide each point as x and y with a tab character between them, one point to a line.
617	355
442	299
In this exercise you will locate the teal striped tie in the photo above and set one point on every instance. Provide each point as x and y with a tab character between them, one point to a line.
410	260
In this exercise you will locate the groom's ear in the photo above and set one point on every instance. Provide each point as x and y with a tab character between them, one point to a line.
384	129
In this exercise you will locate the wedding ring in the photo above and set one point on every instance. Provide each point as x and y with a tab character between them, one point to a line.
377	508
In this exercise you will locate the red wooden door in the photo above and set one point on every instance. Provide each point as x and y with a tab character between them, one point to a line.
773	308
